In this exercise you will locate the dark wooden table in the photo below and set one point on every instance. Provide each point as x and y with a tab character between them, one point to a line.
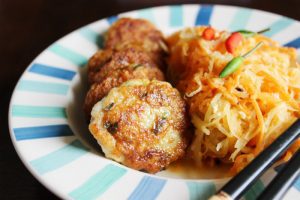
28	27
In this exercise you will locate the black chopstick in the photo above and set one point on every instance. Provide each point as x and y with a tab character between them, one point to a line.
239	184
282	182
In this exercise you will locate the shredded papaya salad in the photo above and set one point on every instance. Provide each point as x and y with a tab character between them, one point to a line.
242	88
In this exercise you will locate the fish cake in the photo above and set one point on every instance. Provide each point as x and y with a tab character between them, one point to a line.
106	61
140	32
141	124
115	78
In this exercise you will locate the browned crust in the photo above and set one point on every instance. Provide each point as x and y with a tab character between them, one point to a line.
115	78
105	62
135	142
138	32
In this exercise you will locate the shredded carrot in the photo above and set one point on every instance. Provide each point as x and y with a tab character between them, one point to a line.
240	162
238	116
289	153
260	142
287	156
253	142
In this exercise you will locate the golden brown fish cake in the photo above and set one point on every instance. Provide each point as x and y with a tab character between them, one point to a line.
100	58
127	31
106	61
114	79
141	124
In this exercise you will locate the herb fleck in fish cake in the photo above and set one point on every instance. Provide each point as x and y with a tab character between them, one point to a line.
141	124
109	69
105	62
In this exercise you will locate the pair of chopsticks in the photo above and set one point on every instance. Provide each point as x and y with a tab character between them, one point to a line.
239	184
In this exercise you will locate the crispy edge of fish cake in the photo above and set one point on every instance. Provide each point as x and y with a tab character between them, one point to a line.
108	60
99	90
138	32
129	134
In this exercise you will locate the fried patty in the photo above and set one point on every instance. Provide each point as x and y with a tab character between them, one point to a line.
126	32
105	62
115	78
141	124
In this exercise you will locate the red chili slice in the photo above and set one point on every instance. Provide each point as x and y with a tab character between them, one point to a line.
208	33
233	41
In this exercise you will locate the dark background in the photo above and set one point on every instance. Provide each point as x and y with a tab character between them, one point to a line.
28	27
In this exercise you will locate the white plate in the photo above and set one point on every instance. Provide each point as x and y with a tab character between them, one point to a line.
49	132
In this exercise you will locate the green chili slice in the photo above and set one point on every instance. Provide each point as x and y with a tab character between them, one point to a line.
232	66
236	62
248	34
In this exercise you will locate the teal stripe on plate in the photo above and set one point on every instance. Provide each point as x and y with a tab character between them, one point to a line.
68	54
278	26
200	191
98	183
176	15
39	132
147	14
204	15
92	36
147	189
255	190
89	34
297	184
240	19
59	158
43	87
38	111
294	43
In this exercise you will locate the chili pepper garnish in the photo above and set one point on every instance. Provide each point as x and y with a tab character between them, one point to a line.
248	34
236	62
208	33
236	37
233	41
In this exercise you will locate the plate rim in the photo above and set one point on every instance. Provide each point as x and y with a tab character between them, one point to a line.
18	150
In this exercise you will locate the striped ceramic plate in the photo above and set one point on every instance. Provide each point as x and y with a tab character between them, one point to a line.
50	134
